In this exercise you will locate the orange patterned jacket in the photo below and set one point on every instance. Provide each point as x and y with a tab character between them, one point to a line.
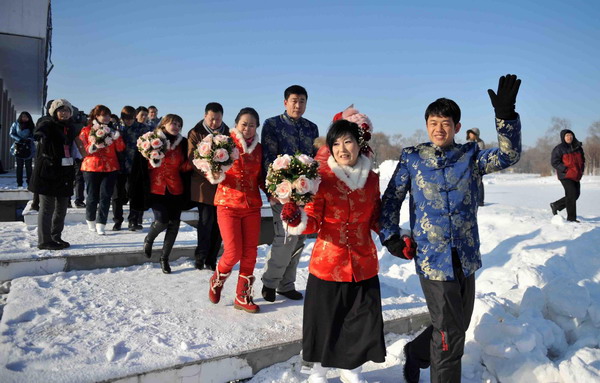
240	189
344	211
168	175
102	160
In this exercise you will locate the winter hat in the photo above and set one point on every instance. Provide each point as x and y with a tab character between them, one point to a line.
475	131
58	103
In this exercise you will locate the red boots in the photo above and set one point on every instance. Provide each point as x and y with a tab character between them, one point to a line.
216	285
243	298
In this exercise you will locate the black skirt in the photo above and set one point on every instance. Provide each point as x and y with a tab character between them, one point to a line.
343	324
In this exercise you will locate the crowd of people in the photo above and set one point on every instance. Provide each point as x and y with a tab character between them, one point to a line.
343	322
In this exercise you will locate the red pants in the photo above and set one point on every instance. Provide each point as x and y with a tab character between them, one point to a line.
240	230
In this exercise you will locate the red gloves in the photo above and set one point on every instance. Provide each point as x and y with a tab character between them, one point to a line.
402	247
291	214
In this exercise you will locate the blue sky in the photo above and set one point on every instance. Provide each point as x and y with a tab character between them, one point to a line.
389	58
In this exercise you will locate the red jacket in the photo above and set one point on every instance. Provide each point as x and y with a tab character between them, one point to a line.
168	175
240	189
103	159
343	212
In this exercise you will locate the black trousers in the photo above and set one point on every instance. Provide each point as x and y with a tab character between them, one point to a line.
119	199
79	182
450	305
20	164
209	236
569	201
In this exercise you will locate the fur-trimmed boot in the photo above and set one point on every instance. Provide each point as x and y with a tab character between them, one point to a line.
215	285
243	294
155	229
170	236
318	374
91	225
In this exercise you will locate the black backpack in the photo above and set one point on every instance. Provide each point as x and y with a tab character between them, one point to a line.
23	149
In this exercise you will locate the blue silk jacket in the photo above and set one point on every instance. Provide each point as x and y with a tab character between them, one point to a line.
442	184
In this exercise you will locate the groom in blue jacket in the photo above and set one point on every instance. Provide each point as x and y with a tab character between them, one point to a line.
442	177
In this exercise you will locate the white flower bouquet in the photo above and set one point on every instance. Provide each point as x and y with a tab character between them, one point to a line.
101	136
214	155
153	146
293	178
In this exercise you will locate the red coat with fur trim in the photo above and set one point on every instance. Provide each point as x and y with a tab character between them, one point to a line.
103	159
168	175
240	189
343	212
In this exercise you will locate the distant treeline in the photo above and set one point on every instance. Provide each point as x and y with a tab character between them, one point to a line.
534	159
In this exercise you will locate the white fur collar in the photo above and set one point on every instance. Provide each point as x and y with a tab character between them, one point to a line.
240	137
355	177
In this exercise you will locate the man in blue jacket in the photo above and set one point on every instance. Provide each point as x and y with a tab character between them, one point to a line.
442	178
287	133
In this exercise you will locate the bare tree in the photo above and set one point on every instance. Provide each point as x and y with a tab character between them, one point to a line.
592	149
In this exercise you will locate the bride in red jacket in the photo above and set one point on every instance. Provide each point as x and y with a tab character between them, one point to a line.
238	205
343	323
162	187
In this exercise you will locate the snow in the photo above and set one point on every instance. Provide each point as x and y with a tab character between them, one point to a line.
536	316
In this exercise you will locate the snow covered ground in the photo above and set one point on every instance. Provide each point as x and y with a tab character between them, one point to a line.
536	318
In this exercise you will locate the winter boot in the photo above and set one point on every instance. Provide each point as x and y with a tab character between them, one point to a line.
101	228
91	225
170	236
243	294
411	369
216	285
318	374
155	229
352	376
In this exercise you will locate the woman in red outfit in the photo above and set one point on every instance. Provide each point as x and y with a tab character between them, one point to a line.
343	323
162	188
100	166
238	205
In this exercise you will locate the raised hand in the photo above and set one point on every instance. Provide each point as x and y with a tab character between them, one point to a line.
504	100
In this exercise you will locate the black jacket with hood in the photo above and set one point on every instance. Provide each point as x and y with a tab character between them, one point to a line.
568	159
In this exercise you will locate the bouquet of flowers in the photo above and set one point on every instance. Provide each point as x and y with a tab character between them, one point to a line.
215	155
101	136
293	178
153	146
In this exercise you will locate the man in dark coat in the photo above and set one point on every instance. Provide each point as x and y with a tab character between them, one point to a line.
569	161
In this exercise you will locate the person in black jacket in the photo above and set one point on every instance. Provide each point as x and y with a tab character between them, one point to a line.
53	173
569	161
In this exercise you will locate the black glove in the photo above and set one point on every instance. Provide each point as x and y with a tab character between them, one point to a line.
504	101
395	246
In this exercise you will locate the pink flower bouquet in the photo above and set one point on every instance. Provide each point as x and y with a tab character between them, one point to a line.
101	136
293	178
153	146
214	155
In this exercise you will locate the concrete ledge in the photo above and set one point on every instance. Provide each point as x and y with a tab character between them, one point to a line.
245	365
11	269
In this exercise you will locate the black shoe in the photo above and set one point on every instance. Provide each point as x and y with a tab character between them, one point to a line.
70	205
573	220
164	265
51	246
131	226
139	227
117	226
411	370
199	265
292	294
211	266
79	204
35	207
268	294
64	244
554	209
147	248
